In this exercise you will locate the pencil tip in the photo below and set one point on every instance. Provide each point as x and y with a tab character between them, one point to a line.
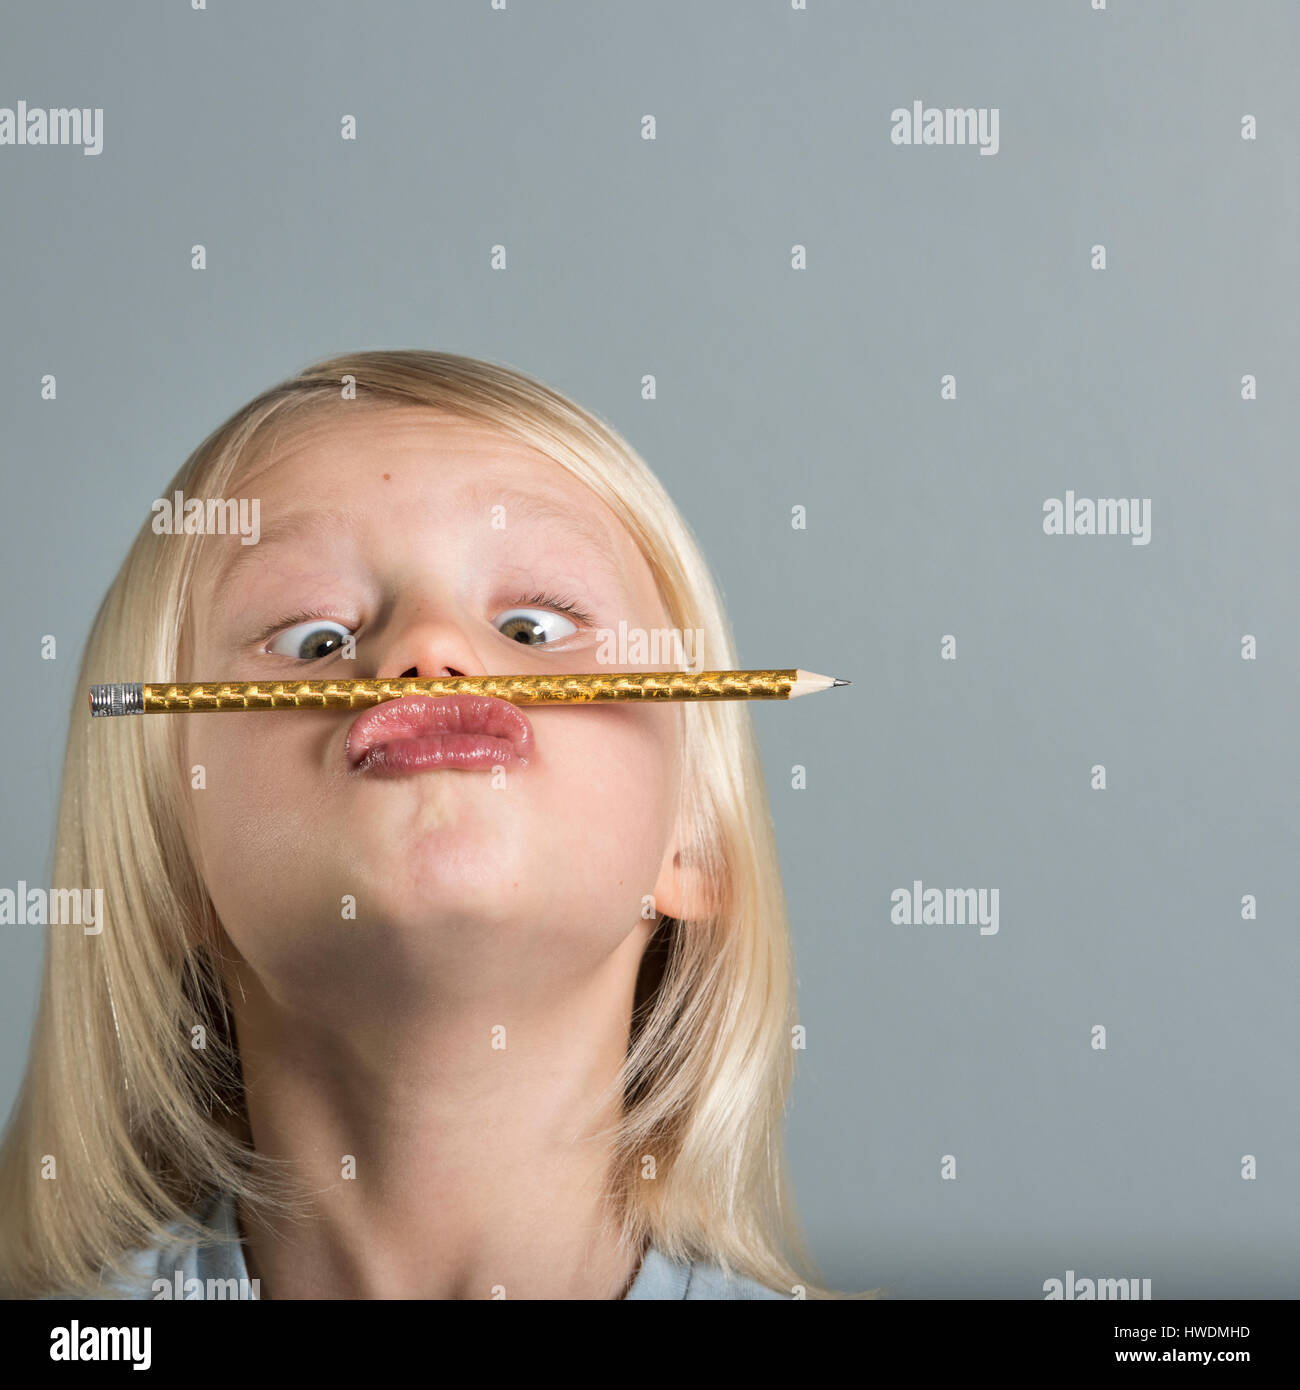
840	682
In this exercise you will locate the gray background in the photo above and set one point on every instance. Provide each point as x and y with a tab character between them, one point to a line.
779	387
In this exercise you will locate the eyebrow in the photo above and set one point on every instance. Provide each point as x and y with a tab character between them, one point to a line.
287	527
280	530
534	506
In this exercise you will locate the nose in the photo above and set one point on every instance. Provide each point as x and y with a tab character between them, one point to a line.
429	648
415	673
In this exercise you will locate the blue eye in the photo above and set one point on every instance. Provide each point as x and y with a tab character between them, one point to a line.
532	626
312	640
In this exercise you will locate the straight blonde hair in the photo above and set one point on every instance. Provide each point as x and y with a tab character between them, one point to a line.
131	1109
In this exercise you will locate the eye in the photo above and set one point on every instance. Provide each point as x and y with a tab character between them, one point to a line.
533	626
312	640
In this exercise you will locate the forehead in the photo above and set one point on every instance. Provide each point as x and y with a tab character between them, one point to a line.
368	463
354	444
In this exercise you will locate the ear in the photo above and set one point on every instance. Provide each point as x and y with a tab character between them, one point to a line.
681	890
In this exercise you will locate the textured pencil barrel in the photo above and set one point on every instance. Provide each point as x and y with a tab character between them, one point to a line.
519	690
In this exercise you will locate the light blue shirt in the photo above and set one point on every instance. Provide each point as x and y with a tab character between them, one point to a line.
208	1270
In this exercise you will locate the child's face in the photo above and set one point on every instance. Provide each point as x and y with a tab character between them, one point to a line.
461	887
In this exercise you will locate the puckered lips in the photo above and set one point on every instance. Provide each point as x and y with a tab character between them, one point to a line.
418	732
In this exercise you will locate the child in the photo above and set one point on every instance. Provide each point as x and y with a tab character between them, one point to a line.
457	1000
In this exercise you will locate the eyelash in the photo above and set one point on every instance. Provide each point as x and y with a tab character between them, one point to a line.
557	601
538	600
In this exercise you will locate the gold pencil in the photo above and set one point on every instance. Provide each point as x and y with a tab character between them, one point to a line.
126	697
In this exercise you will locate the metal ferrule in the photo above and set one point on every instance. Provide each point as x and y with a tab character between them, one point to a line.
122	697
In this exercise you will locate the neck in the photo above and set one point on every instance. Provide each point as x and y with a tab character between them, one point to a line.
450	1153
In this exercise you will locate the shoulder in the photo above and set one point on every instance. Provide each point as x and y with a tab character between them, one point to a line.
708	1281
662	1278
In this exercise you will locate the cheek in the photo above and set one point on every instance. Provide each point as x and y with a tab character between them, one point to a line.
608	791
257	814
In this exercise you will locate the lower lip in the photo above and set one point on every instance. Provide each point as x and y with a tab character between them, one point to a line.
406	755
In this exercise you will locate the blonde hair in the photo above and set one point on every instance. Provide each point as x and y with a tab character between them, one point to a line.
139	1125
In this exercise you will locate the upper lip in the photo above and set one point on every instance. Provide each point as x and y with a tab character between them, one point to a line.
414	716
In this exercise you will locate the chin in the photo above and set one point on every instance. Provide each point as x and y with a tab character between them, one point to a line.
449	891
